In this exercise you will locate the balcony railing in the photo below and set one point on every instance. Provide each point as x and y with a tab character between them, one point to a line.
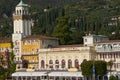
30	53
108	50
33	61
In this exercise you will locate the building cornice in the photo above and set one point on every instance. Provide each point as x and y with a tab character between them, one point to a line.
21	17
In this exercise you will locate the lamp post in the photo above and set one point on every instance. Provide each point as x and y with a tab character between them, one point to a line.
93	70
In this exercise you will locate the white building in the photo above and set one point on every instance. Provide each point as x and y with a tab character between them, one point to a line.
22	28
91	39
59	57
63	57
109	51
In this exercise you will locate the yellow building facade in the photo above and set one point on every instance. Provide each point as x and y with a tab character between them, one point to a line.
29	51
32	44
5	45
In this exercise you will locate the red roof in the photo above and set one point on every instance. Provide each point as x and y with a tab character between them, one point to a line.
38	37
5	39
110	41
74	45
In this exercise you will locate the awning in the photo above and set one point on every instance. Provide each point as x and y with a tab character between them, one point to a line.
28	74
62	74
66	74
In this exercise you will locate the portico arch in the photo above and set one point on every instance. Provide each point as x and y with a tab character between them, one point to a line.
42	64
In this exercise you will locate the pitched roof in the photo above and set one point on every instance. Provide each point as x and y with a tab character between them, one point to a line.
21	3
109	41
39	37
74	45
5	39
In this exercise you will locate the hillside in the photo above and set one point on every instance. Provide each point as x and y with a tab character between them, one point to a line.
7	7
67	19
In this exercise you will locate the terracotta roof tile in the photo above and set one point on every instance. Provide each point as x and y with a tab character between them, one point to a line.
109	41
5	39
38	37
75	45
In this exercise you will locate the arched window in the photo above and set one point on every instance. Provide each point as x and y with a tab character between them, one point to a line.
20	12
26	12
17	12
42	64
51	64
56	64
76	63
19	31
16	43
23	11
19	78
69	63
63	63
25	63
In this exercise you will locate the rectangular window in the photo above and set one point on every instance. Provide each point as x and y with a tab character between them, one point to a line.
119	55
103	56
116	65
116	55
110	55
100	55
85	40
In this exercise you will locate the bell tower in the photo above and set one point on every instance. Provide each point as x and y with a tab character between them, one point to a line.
22	22
22	28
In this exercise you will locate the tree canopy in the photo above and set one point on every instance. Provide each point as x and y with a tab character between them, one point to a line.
96	17
8	66
100	67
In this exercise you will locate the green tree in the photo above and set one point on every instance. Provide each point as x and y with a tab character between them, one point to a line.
110	64
113	78
62	30
6	72
100	68
11	66
2	72
77	37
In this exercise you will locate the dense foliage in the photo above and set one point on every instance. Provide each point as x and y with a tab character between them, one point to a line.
83	17
6	72
113	78
100	68
8	66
